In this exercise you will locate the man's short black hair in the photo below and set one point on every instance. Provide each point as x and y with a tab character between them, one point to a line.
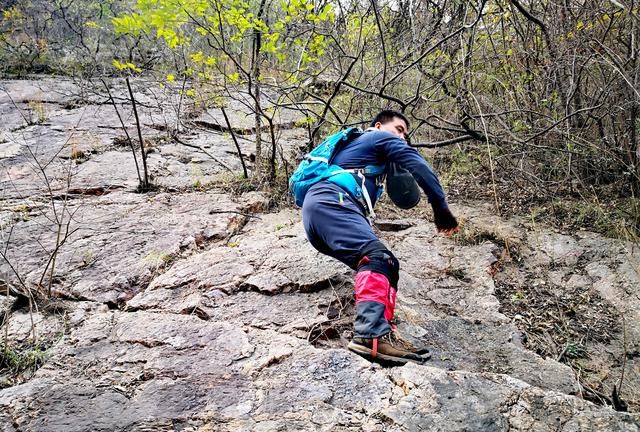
385	116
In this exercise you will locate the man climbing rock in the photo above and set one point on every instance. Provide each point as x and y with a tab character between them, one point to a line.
337	222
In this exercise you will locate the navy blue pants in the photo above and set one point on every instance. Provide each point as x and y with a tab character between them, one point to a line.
336	225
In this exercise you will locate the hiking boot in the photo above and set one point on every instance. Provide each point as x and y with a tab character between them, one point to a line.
388	348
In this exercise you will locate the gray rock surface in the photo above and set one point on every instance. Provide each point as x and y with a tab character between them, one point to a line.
192	308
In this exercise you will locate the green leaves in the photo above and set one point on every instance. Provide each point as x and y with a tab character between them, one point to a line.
131	24
269	44
228	27
166	17
125	66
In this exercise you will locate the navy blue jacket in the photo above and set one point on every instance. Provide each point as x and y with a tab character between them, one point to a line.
376	147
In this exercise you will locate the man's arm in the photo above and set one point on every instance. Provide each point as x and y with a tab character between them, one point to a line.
398	151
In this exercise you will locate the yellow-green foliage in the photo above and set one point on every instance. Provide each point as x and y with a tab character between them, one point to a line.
18	362
619	219
158	259
125	66
462	164
228	26
87	258
235	183
305	121
24	211
39	111
12	13
197	177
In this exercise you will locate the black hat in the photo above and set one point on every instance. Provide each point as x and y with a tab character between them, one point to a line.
401	187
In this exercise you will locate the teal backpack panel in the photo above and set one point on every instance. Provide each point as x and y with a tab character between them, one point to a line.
316	166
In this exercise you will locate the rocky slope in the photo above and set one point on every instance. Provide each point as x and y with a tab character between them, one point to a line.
194	308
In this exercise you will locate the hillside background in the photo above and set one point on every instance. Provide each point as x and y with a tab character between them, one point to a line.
154	274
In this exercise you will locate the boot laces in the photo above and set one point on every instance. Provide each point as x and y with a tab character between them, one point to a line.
397	341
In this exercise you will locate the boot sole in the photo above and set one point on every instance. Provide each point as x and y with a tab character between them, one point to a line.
367	353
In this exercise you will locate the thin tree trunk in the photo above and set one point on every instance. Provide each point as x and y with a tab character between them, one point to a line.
145	185
124	128
635	105
259	157
255	74
235	141
272	164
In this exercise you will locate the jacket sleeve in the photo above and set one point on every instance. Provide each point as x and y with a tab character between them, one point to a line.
396	150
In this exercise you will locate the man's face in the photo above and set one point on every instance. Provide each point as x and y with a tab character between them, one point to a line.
396	126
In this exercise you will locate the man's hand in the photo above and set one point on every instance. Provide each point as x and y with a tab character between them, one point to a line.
445	222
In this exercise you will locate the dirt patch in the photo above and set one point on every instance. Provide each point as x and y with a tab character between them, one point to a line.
570	324
558	322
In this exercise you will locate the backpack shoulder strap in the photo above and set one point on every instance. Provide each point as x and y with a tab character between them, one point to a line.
348	135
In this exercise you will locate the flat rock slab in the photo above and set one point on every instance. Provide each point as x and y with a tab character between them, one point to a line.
261	260
74	131
431	399
267	381
123	241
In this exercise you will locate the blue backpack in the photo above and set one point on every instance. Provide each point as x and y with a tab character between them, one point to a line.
316	166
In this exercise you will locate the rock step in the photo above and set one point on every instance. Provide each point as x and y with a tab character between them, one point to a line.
139	370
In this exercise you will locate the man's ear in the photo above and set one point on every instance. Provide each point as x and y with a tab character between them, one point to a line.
377	125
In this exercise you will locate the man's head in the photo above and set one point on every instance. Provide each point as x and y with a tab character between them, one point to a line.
392	121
